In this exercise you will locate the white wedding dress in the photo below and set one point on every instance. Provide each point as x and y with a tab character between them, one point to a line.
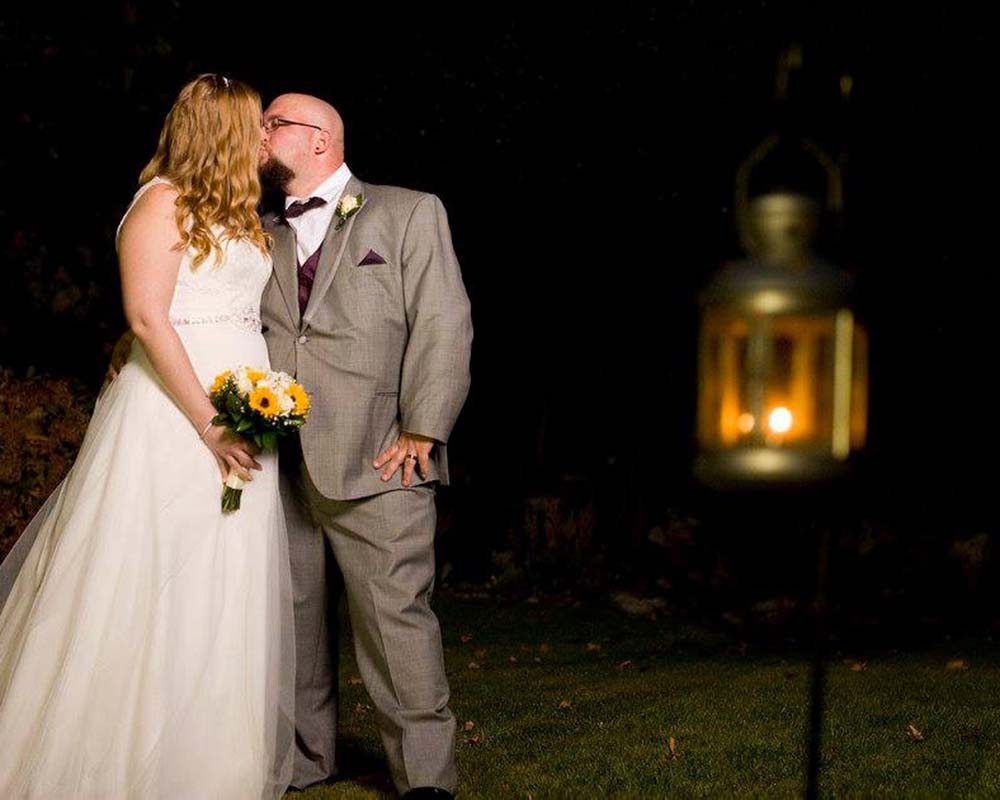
146	638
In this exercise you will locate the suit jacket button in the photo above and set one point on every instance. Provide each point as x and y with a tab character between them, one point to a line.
303	339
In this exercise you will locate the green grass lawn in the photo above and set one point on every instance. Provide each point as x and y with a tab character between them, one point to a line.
582	700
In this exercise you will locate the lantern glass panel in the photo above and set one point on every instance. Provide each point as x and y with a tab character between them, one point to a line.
769	380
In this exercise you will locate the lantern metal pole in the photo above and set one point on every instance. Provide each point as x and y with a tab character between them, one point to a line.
818	685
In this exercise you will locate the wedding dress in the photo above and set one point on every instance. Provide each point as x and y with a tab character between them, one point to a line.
146	638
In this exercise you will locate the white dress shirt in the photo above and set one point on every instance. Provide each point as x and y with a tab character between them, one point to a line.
310	228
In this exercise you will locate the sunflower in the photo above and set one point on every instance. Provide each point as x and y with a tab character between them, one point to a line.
255	375
264	401
301	398
220	381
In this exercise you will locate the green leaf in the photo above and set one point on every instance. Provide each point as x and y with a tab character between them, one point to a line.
243	425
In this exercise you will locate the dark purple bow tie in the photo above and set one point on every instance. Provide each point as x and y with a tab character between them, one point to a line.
298	208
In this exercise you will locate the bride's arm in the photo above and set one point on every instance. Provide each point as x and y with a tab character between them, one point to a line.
149	258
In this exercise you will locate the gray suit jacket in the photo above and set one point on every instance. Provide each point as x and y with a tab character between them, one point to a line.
381	347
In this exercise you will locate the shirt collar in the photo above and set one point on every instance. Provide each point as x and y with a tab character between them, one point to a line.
328	189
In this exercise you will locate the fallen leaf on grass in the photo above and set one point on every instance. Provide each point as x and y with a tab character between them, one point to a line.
512	659
474	739
639	606
480	653
671	754
957	664
625	664
593	647
914	733
543	648
355	681
565	704
858	666
465	637
469	725
473	665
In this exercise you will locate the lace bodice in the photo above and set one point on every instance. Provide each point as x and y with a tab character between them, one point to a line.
224	291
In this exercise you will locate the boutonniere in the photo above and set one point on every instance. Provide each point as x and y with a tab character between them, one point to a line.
349	205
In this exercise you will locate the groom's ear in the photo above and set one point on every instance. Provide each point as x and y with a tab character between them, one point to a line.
323	141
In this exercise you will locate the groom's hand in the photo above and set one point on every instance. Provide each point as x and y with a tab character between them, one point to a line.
396	455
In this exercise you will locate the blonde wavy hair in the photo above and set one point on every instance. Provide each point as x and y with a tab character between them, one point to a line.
209	150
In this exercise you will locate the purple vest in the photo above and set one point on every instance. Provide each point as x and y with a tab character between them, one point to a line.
307	274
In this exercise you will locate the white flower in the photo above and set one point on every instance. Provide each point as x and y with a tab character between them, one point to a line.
285	403
347	207
243	382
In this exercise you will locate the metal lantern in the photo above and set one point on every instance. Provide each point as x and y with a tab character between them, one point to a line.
783	361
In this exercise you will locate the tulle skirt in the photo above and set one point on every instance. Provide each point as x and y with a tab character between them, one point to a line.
146	639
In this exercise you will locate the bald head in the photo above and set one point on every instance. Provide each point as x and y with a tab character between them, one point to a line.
304	154
310	109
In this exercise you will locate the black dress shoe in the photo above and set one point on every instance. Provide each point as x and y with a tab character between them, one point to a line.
428	793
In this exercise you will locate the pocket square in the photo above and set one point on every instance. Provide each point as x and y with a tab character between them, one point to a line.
371	258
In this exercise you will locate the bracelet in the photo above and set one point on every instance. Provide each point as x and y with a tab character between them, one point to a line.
209	425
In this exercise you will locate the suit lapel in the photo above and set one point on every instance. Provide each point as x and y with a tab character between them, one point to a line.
286	267
333	250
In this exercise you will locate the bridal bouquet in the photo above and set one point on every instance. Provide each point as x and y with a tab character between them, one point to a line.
260	406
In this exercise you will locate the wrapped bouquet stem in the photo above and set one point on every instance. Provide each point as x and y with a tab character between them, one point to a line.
260	406
232	492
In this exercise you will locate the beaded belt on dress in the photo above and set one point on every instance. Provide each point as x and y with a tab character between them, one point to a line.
248	318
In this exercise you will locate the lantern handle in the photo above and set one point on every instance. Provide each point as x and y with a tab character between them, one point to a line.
834	180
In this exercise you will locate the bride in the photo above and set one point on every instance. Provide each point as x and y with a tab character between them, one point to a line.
146	638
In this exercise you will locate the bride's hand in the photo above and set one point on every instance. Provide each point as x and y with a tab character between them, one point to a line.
232	453
119	355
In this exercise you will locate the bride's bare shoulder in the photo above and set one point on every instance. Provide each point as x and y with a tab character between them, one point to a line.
153	212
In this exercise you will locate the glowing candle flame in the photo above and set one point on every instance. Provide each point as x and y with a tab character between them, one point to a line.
780	420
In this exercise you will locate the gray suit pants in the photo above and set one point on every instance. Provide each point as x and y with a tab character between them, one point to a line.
384	549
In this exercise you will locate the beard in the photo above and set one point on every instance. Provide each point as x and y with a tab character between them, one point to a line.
275	175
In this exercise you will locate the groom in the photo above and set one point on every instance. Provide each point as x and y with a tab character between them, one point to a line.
366	307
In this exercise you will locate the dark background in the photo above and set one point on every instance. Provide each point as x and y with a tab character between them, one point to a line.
586	160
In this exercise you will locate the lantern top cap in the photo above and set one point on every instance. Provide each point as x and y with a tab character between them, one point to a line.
780	226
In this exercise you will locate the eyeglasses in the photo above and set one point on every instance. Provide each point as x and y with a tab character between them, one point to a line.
271	125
